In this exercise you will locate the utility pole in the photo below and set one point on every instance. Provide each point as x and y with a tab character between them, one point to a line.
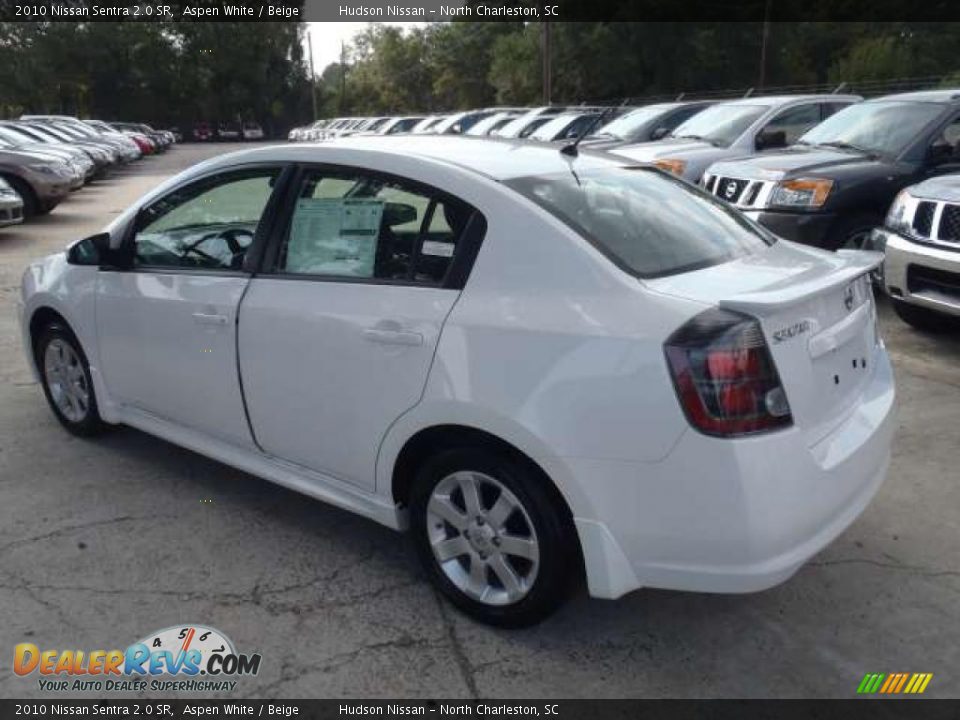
343	75
313	75
547	62
765	39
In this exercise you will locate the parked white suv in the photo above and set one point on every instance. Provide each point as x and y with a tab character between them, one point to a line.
539	364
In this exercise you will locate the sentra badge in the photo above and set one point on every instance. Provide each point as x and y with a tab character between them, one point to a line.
792	331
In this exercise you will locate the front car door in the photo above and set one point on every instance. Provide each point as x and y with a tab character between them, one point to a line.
337	335
166	325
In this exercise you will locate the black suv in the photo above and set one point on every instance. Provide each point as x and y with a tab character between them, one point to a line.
835	184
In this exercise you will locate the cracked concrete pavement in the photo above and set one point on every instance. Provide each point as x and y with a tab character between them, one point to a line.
104	541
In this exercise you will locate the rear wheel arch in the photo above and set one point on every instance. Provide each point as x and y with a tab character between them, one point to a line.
430	441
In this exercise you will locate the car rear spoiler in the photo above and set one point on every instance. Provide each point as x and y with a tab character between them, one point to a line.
855	263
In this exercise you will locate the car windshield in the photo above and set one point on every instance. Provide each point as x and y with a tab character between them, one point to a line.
15	136
517	128
48	132
625	125
484	126
720	124
648	223
403	125
554	127
882	127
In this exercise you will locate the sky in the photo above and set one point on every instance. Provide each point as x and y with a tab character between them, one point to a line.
328	35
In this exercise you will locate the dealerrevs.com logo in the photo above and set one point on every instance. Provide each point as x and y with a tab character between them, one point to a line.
184	658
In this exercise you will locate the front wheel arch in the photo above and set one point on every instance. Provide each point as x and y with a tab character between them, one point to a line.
42	318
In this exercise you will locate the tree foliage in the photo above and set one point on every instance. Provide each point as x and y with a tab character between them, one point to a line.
166	73
449	66
177	73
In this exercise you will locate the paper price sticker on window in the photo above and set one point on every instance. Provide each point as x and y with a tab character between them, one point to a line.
334	236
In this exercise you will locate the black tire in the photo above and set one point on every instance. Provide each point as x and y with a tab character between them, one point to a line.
922	318
90	423
560	565
850	226
31	205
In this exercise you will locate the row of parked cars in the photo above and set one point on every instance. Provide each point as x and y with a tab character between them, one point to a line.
43	158
227	131
833	171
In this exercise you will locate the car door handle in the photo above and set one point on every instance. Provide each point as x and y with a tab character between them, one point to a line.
393	337
210	318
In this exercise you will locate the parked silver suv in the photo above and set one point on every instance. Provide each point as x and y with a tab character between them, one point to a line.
921	238
734	129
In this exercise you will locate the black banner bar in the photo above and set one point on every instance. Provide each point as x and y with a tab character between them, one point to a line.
478	10
856	709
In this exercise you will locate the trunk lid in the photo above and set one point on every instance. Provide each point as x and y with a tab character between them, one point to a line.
817	314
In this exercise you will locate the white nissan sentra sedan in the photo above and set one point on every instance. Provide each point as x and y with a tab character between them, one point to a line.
534	362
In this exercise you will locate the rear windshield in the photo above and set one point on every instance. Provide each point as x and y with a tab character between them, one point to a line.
647	222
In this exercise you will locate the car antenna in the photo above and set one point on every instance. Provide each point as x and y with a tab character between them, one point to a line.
571	149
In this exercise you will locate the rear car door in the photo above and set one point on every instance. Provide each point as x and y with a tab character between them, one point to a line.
337	335
166	325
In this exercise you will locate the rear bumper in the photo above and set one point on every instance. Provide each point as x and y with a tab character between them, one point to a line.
734	516
805	228
901	255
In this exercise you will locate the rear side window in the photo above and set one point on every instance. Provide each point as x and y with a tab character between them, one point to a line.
648	223
368	227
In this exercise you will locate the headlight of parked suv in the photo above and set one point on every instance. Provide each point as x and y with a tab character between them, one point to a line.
900	215
671	165
801	193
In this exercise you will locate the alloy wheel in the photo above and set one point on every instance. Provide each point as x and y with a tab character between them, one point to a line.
66	379
482	538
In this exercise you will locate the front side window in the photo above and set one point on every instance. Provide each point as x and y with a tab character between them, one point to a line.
650	224
794	122
207	225
354	225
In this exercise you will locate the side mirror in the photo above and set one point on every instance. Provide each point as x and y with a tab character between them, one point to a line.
939	153
771	139
93	250
659	133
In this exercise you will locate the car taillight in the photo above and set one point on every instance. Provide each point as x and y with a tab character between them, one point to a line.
725	377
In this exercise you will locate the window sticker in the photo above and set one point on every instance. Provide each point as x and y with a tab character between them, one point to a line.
436	248
334	236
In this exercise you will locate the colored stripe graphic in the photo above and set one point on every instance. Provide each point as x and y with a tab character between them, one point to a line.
894	683
903	680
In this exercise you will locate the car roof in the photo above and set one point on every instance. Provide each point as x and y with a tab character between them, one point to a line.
496	158
784	99
948	96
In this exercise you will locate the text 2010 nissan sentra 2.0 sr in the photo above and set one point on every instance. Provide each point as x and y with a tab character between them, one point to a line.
532	361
